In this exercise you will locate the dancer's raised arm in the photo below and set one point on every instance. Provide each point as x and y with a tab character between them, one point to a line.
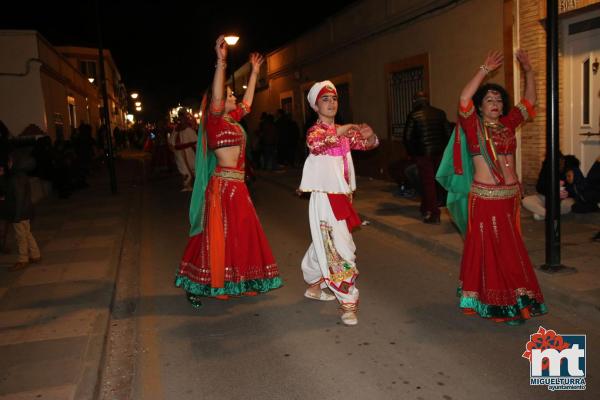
219	78
256	60
492	62
529	94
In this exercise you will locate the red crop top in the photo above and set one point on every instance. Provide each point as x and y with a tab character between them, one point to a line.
223	130
503	133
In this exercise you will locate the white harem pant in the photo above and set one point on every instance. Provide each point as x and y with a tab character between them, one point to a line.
330	258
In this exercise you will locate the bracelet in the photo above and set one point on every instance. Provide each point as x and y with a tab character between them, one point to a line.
220	63
485	69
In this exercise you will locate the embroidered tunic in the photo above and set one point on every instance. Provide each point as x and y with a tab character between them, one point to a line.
331	153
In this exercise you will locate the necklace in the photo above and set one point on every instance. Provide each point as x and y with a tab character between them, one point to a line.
493	125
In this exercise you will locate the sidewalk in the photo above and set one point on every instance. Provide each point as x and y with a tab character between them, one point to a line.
580	291
54	315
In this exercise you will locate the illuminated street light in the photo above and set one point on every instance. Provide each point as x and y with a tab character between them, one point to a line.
245	87
139	108
91	80
134	95
138	103
130	118
232	39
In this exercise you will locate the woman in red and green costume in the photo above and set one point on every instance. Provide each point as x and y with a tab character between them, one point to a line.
497	280
227	253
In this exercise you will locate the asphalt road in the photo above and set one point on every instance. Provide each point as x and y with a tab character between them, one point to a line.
411	341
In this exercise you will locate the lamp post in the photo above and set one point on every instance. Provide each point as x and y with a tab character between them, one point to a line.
553	260
232	40
110	155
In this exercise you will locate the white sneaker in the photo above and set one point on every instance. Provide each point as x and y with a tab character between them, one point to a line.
322	296
349	318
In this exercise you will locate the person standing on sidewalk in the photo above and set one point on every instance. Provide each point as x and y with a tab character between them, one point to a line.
228	253
496	275
19	206
426	134
328	174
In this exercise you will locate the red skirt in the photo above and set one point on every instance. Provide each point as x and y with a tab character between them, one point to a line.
231	256
497	277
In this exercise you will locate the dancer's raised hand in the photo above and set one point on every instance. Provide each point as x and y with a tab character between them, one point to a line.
256	59
494	60
221	48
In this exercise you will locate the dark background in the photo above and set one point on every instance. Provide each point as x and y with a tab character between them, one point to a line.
165	49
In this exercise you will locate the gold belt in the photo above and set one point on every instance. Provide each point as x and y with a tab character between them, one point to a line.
490	192
230	174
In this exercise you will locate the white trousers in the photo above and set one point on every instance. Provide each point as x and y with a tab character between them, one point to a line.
330	259
536	203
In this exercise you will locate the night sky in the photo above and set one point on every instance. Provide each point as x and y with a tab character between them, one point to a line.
165	49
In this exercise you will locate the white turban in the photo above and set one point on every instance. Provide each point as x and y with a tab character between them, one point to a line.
319	89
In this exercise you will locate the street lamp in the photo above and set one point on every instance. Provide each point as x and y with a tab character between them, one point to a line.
134	95
138	103
231	40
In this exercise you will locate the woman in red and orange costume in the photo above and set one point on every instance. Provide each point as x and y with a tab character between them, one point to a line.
497	277
228	253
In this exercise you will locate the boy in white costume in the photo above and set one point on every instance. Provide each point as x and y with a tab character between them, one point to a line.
328	174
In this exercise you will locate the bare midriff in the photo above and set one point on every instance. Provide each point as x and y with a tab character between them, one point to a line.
228	156
483	174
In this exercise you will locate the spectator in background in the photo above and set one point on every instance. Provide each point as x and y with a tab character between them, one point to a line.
4	217
288	135
269	141
571	181
183	144
587	196
426	134
19	207
4	136
42	153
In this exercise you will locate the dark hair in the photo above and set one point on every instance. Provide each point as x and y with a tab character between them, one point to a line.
571	162
494	87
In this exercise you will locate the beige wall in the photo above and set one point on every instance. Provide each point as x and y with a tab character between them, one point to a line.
363	39
40	95
21	97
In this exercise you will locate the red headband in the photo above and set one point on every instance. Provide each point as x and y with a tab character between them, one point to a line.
326	90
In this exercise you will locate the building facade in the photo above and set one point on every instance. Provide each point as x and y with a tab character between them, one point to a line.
380	52
40	85
86	60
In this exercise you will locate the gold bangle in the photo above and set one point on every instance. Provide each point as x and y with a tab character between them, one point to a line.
485	69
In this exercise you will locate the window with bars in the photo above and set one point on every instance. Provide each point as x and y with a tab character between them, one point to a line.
402	87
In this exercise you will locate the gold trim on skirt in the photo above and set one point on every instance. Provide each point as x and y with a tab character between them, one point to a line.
230	174
494	192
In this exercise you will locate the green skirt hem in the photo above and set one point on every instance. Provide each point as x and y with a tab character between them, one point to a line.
508	311
230	289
